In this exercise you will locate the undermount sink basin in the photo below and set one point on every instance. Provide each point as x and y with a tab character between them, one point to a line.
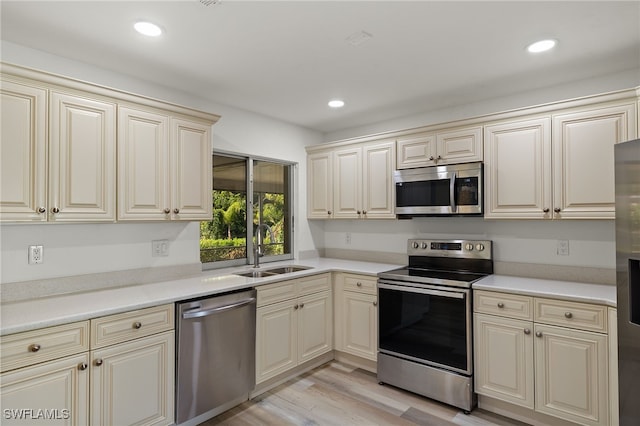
274	271
256	274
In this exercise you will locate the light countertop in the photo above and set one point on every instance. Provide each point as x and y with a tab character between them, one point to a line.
566	290
65	308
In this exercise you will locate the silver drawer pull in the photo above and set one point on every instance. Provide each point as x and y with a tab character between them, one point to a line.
375	303
568	315
137	325
34	348
538	333
82	366
359	284
295	307
500	305
527	331
98	362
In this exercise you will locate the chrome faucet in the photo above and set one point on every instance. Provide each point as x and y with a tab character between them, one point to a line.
258	248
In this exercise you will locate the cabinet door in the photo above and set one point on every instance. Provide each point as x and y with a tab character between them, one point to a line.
416	151
133	383
459	146
571	369
143	165
23	153
583	160
504	359
517	172
315	325
320	185
276	339
360	324
82	159
191	170
56	389
347	186
378	197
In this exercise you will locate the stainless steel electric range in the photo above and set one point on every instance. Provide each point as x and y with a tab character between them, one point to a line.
425	319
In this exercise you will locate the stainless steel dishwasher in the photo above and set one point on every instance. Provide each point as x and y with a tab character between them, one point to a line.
216	354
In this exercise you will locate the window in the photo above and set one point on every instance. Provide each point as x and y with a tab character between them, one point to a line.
229	239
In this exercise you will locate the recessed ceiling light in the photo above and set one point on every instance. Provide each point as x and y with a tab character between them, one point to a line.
541	46
336	103
148	29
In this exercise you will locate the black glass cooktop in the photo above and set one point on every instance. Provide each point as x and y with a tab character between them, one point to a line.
432	276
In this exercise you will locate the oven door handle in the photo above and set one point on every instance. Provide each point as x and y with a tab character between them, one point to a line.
452	192
449	294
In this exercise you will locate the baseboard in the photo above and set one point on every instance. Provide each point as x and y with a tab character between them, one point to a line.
356	361
522	414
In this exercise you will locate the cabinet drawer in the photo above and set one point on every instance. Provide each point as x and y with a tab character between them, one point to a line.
360	283
31	347
314	284
118	328
582	316
274	293
504	304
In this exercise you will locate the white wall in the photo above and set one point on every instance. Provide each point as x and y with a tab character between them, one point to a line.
91	248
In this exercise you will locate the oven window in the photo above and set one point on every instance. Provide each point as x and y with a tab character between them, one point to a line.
423	193
427	327
467	191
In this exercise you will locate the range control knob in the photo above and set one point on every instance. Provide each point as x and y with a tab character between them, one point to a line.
468	246
424	246
479	247
415	245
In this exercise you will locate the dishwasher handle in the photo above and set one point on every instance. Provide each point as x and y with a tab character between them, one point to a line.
196	313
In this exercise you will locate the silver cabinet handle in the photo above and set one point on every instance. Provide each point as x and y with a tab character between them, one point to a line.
167	211
301	305
538	333
329	212
359	212
500	305
176	211
137	325
568	315
375	303
527	331
359	284
295	307
34	348
557	210
55	210
98	362
431	158
42	210
546	210
82	366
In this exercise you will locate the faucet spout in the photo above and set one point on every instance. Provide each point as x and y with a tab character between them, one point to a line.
258	248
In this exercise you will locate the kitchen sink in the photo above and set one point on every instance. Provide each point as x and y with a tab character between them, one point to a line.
274	271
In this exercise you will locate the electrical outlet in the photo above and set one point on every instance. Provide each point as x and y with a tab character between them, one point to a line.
160	248
36	254
562	248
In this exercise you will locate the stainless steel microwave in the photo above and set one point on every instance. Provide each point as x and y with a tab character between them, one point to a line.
440	190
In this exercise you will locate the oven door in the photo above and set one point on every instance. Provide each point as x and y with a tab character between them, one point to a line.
427	324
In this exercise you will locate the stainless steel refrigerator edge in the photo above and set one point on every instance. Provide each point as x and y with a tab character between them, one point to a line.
627	158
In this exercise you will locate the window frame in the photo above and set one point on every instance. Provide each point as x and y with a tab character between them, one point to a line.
289	231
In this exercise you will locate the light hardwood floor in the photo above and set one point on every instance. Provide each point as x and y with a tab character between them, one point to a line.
338	394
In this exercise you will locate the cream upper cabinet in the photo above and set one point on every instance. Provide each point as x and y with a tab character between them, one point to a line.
165	166
23	152
462	145
517	169
320	185
583	164
67	177
352	182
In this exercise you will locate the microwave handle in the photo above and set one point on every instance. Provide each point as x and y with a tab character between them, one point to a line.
452	192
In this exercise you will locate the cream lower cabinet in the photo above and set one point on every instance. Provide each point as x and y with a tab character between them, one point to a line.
546	355
294	324
356	318
115	370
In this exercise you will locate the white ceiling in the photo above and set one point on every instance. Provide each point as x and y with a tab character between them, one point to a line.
286	59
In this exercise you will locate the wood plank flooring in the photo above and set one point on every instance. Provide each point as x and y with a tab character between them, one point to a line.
338	394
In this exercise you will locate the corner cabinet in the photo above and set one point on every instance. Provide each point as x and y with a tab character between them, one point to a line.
58	154
70	151
294	324
557	166
549	356
351	182
165	166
